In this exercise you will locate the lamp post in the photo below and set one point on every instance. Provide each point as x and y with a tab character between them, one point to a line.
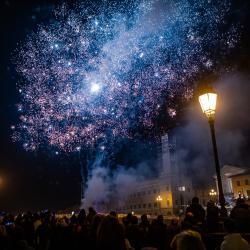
208	105
159	199
213	195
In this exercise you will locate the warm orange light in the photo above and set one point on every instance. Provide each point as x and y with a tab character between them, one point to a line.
212	192
208	103
159	198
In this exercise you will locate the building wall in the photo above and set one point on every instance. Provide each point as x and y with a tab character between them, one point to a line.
241	185
144	197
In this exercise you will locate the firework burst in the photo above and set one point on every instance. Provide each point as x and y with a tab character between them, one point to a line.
89	77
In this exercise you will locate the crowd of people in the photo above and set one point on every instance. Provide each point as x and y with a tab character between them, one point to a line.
92	231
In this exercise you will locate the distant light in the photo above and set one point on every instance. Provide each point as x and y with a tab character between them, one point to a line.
141	55
56	46
102	147
95	88
78	148
57	153
69	63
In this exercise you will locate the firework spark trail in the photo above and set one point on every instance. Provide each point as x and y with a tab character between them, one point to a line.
88	77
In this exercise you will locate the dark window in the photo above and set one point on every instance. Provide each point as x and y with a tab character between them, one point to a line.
149	204
154	191
139	205
144	205
167	188
246	182
238	183
155	204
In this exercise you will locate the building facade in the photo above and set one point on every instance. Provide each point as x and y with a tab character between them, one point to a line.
241	185
167	194
235	182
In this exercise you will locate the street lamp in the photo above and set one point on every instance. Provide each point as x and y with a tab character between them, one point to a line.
159	199
212	193
208	105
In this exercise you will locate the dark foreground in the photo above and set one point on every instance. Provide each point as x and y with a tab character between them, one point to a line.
92	231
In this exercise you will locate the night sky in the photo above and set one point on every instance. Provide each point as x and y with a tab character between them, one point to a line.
42	179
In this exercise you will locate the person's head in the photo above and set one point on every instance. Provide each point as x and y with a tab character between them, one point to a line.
189	218
110	234
195	200
91	210
190	242
144	218
160	218
210	203
82	213
134	220
230	226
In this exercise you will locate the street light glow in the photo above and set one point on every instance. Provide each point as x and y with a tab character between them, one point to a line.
208	103
159	198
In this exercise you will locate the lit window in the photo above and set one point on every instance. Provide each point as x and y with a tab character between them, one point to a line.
181	188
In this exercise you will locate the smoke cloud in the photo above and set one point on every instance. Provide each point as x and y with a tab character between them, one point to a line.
232	126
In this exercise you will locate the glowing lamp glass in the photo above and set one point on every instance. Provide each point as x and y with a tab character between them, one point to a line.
208	103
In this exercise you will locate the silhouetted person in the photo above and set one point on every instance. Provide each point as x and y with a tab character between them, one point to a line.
3	238
197	211
43	234
81	217
133	233
111	234
212	219
90	215
172	229
143	229
233	240
157	233
241	215
188	239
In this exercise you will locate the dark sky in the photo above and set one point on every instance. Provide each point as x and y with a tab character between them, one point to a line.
36	180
